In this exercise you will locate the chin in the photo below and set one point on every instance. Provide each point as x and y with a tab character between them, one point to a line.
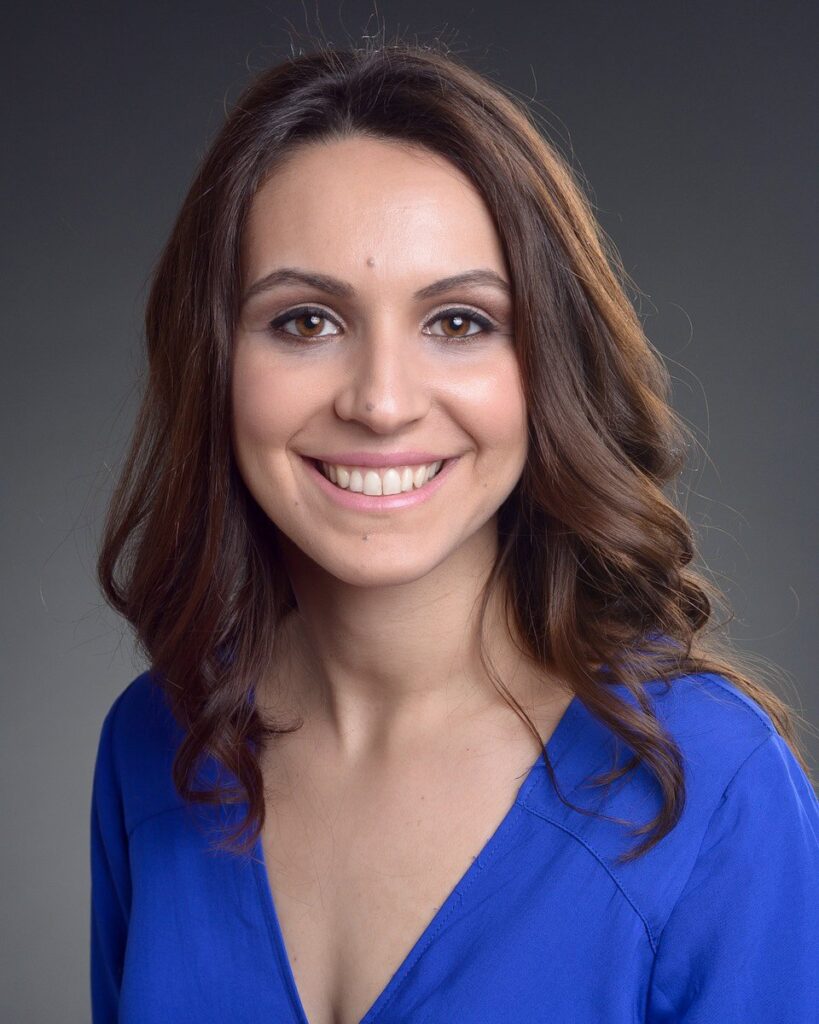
380	576
374	565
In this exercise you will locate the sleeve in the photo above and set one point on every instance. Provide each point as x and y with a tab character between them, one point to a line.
110	879
741	945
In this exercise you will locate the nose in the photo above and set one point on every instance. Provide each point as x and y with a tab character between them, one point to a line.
383	386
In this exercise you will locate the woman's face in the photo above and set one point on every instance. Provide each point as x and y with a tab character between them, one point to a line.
376	366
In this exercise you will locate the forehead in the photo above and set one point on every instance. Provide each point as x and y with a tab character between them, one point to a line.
334	206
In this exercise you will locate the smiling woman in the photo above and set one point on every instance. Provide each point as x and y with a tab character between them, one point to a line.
393	535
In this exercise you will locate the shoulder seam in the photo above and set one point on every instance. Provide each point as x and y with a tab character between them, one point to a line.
600	860
707	828
772	733
717	806
155	814
654	940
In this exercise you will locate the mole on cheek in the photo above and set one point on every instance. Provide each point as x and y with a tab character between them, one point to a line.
370	261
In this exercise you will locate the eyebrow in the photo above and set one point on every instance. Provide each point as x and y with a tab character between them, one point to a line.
342	289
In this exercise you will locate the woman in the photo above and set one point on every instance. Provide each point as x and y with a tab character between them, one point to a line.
393	536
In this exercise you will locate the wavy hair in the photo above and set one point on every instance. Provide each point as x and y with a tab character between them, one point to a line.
593	557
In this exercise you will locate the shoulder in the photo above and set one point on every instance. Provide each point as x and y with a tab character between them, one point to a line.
733	905
714	723
743	789
138	741
717	728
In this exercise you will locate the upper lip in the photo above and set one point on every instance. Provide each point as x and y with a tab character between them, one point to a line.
379	459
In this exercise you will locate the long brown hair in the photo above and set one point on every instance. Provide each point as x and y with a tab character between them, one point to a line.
593	556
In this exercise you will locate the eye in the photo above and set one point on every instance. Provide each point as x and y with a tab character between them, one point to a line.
312	321
458	321
311	317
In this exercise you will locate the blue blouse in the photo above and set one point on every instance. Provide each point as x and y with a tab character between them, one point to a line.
718	923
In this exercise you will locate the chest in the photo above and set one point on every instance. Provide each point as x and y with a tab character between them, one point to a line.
358	868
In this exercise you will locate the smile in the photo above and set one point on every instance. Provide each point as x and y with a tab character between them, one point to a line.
382	480
379	488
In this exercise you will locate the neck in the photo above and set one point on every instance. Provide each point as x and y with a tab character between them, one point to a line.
376	667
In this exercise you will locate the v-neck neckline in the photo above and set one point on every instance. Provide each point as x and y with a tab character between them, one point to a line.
555	746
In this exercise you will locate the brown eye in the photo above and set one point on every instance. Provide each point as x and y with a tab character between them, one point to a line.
310	323
457	322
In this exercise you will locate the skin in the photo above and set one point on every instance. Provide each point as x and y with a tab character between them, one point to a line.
377	592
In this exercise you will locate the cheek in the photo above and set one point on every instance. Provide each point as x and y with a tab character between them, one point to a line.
494	405
263	412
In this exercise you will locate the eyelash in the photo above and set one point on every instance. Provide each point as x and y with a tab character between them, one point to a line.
487	326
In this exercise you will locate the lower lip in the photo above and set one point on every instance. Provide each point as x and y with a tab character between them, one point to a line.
379	502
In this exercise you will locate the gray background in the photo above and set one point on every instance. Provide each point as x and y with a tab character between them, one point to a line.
693	123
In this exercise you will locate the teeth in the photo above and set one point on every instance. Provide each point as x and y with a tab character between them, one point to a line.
393	480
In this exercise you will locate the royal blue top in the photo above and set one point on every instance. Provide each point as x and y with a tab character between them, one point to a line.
718	923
